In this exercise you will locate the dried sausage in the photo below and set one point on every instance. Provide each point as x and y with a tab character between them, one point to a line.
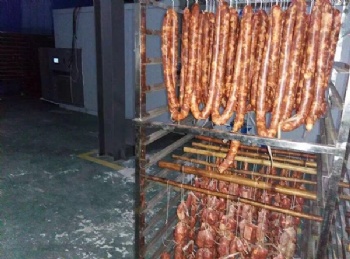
307	82
262	89
261	40
295	60
284	62
184	52
205	47
321	68
204	114
199	58
221	35
227	113
243	87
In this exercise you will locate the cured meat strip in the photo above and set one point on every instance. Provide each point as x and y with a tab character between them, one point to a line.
284	63
321	68
307	82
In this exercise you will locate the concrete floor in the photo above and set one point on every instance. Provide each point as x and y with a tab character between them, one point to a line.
54	204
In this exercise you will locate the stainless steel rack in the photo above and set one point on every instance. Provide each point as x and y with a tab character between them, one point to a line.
152	229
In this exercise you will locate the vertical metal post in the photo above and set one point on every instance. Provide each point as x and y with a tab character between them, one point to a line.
99	73
334	178
110	55
140	110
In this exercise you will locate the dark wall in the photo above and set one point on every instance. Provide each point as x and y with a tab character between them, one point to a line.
59	4
10	16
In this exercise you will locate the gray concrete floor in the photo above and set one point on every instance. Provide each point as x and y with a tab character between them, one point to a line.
54	204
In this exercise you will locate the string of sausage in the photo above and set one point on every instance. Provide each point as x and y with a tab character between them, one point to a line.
166	42
199	59
261	108
184	53
231	53
308	79
243	51
206	50
295	59
261	30
321	67
205	112
169	59
283	75
333	46
231	81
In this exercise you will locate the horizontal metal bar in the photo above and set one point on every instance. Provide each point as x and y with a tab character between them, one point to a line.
164	6
155	136
153	32
166	151
154	87
171	224
336	99
153	114
246	139
150	224
153	61
341	67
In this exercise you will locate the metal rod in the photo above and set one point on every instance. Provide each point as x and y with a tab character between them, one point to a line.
171	223
155	136
245	139
154	113
256	155
329	127
236	199
153	61
153	32
166	151
160	214
336	99
252	160
275	152
341	67
229	177
155	87
269	176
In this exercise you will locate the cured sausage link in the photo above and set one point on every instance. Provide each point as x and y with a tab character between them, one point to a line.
166	46
222	33
321	68
216	117
231	53
205	47
184	53
243	87
284	62
199	57
296	59
245	34
232	96
259	51
307	82
262	89
336	25
204	114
